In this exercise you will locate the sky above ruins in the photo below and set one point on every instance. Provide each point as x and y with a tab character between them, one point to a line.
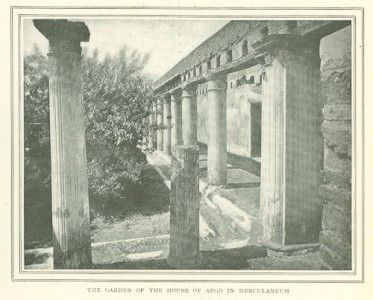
167	41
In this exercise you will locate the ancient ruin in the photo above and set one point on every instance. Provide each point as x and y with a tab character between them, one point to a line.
257	91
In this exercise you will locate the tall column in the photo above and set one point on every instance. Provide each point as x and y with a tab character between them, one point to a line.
292	148
154	125
184	208
189	113
217	131
167	125
176	121
160	125
70	205
151	131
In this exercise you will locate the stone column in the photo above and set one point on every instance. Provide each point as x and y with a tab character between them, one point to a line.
292	148
176	121
151	131
154	125
70	205
160	125
184	208
189	112
217	131
167	125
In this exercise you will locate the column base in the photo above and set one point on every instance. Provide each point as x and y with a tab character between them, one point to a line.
72	259
185	263
275	250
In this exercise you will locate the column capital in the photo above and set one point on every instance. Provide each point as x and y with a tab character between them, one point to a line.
188	90
166	97
63	36
287	48
217	82
62	29
175	96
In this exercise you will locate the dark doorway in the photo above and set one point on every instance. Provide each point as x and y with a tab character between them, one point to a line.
256	128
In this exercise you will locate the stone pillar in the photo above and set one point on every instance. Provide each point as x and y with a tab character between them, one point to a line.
292	147
160	125
154	125
167	125
176	121
184	208
151	131
70	205
217	131
189	112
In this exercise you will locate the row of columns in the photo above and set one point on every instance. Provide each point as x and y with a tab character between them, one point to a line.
292	147
176	115
291	151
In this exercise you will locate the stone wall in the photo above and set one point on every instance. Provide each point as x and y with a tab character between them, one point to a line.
335	238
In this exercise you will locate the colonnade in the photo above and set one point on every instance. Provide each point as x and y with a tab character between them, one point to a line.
291	139
177	124
291	150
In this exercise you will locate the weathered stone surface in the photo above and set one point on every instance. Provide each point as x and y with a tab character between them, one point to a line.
184	208
337	88
63	29
217	131
338	196
189	116
337	136
336	245
167	125
337	221
338	179
160	125
291	208
176	121
337	169
70	203
336	190
333	260
338	112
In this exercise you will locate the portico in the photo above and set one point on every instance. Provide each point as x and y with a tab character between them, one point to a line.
277	63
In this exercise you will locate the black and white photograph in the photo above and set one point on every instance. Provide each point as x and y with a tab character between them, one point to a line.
186	144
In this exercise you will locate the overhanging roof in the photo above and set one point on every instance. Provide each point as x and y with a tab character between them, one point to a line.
226	36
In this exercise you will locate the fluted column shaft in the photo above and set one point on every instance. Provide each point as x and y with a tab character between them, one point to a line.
160	125
70	205
154	125
217	131
291	145
176	120
167	125
189	112
151	129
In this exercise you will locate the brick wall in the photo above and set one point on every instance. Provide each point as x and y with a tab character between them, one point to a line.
335	238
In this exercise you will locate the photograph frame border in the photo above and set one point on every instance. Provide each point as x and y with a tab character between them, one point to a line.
17	274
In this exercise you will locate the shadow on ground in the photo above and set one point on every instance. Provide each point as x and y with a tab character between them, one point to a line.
36	258
227	259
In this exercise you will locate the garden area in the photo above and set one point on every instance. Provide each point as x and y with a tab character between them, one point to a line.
126	195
